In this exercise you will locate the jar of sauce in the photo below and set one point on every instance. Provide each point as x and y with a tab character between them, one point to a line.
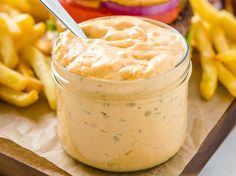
122	93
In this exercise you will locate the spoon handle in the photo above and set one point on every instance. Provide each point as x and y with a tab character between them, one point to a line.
56	8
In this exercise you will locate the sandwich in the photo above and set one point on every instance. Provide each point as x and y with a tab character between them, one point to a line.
163	10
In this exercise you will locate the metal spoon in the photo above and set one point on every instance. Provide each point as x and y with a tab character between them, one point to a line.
56	8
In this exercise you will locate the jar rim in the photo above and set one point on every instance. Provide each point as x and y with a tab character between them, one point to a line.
107	81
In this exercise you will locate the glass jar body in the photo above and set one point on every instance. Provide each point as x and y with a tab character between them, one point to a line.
123	135
123	125
118	132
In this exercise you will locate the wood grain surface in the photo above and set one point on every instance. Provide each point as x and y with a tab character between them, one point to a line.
12	157
212	142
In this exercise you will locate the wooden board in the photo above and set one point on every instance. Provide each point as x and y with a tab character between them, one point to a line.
212	142
11	162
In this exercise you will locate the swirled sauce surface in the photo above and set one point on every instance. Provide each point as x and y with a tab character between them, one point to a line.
119	48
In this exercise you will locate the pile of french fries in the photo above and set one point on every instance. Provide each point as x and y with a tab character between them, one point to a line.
24	67
214	36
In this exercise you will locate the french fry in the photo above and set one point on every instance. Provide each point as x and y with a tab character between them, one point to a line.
216	24
3	25
32	83
38	11
12	79
226	78
17	32
22	5
222	46
204	44
45	42
25	70
208	83
9	10
18	98
219	39
7	50
227	56
25	22
39	30
38	62
206	11
192	32
231	66
232	45
11	26
228	23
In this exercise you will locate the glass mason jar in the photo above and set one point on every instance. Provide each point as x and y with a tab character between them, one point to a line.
123	125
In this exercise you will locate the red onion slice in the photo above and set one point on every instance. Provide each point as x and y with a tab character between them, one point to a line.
141	10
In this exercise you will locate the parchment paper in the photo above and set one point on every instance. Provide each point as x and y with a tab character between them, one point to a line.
34	128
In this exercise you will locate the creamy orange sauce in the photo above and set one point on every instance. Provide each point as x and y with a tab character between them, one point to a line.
114	126
124	48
